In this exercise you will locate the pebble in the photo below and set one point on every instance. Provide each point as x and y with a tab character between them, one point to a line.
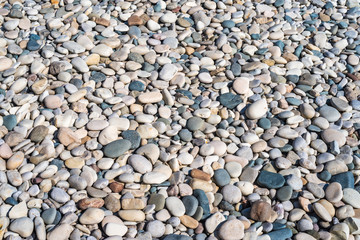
257	109
24	226
175	206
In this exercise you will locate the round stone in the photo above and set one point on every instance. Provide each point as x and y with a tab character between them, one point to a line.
117	148
231	194
257	109
194	123
92	216
175	206
191	204
221	177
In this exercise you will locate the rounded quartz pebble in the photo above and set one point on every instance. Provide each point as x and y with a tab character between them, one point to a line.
52	101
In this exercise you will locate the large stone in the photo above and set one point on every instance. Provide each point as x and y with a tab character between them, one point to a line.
257	109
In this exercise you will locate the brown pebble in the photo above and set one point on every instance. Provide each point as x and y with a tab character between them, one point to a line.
260	211
189	222
116	187
90	203
135	20
102	21
196	173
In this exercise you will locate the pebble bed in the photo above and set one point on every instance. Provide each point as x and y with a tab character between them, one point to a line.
179	120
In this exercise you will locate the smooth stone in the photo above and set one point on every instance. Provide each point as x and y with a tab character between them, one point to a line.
158	200
346	179
221	177
231	229
117	148
49	215
260	211
284	193
18	211
281	234
333	192
330	135
39	133
92	216
115	229
213	221
270	180
23	226
177	237
156	228
203	202
231	194
175	206
191	204
194	123
257	109
351	197
321	211
9	121
140	163
61	232
59	195
330	113
132	215
168	71
230	100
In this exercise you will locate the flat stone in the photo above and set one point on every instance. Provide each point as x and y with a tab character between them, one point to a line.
117	148
175	206
231	229
92	216
260	211
351	197
333	192
257	109
270	180
23	226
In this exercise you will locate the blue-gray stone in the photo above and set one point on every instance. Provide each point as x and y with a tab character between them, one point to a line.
294	101
133	136
194	123
185	135
284	193
98	76
177	237
324	175
32	45
49	215
280	234
136	86
11	201
9	121
58	163
191	204
221	177
228	24
203	202
230	100
117	148
279	3
236	69
270	180
134	32
136	57
264	123
148	67
330	113
157	7
345	179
